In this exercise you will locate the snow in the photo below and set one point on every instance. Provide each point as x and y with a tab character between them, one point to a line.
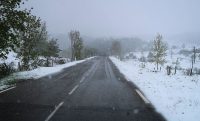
176	97
37	73
11	58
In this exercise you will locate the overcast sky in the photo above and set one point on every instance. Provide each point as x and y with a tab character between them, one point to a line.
120	18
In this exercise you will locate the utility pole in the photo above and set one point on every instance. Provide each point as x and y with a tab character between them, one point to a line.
176	66
71	37
194	51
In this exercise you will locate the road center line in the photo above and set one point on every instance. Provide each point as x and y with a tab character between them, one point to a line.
73	90
7	89
82	79
142	96
55	110
88	72
61	77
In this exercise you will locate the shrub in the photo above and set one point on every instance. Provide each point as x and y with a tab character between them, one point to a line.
185	52
6	69
61	61
187	72
142	59
197	71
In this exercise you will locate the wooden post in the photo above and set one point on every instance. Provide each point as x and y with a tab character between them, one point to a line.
175	70
19	66
194	55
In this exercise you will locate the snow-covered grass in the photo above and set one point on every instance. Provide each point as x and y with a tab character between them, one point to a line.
36	73
176	97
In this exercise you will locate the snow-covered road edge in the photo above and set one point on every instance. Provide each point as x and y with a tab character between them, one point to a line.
36	73
175	97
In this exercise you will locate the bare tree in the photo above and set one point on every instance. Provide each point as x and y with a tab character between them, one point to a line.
159	50
76	44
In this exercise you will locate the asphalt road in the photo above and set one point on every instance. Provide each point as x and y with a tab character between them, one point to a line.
90	91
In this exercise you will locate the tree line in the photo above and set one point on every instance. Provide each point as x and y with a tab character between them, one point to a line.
25	34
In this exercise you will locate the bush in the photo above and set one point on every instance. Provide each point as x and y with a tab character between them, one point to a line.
41	62
142	59
185	52
6	69
61	61
187	72
130	56
197	71
142	65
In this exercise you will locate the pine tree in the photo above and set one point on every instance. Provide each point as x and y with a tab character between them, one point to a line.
159	50
51	50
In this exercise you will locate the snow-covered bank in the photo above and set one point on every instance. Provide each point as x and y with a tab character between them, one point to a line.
176	97
37	73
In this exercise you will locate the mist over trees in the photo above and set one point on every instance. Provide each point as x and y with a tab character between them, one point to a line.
102	46
89	51
116	49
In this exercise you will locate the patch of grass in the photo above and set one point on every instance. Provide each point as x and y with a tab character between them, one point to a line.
10	81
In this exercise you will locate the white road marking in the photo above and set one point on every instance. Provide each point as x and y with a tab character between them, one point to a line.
82	79
61	77
7	89
73	90
88	72
55	110
142	96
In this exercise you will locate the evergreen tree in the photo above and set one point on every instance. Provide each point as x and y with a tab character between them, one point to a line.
51	50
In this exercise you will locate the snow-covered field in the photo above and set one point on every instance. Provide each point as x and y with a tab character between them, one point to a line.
176	96
37	73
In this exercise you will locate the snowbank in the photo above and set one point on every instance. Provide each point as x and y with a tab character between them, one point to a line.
37	73
176	97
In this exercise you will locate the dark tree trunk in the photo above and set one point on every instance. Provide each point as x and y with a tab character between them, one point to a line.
175	70
157	66
47	63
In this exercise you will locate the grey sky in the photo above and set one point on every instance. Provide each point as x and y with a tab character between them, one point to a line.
98	18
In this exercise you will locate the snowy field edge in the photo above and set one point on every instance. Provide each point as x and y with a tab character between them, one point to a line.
37	73
176	97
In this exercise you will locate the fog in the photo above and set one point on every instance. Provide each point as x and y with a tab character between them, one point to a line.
120	18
